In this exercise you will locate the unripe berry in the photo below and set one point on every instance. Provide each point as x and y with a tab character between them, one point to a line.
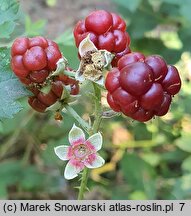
33	59
107	31
142	87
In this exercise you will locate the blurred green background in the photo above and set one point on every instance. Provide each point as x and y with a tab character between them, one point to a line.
143	161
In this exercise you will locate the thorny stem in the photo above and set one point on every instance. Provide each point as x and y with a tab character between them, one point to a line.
83	183
95	128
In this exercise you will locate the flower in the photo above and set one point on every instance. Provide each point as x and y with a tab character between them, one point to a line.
81	153
93	62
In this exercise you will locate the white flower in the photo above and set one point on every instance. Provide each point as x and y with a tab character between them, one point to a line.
81	153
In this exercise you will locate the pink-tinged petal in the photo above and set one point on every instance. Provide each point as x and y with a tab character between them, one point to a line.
77	163
94	161
95	142
70	153
72	169
76	136
62	152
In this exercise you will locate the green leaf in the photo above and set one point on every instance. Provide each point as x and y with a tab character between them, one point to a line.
185	35
141	132
120	192
184	142
34	28
10	174
139	174
185	10
138	195
178	2
142	21
3	189
8	10
6	29
168	10
152	158
66	38
151	46
69	52
10	88
186	165
32	179
182	188
1	128
131	5
8	16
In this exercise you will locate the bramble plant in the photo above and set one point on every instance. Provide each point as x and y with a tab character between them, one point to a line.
135	85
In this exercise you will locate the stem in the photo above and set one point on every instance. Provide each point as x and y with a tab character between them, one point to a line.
95	128
81	121
98	110
69	73
83	183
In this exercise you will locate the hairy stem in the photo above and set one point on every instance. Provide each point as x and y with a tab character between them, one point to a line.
95	128
83	183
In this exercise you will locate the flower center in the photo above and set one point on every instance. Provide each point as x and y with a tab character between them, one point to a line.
80	151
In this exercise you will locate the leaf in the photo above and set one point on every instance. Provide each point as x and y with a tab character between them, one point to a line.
66	38
138	195
152	158
141	132
185	10
182	188
178	2
8	16
8	10
184	142
1	128
6	29
186	165
32	179
120	192
151	46
34	28
10	88
131	5
185	35
173	156
3	190
69	52
171	40
10	171
141	21
139	174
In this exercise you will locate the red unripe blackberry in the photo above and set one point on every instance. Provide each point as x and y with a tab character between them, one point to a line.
107	31
142	87
41	101
33	59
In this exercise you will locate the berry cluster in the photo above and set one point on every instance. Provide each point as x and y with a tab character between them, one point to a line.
141	87
107	31
33	60
41	101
